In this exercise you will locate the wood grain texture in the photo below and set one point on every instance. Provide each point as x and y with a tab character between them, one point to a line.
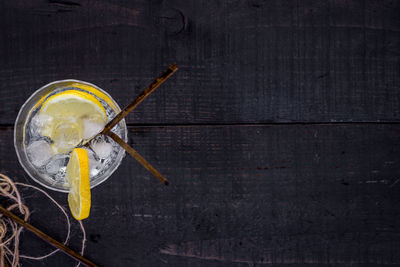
260	176
310	195
241	61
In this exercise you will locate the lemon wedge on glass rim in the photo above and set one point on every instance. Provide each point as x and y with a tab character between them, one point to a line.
79	197
66	116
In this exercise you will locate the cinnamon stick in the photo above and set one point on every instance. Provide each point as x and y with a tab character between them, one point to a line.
139	99
138	157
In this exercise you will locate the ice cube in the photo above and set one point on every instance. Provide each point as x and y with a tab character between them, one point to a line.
101	147
38	122
66	135
56	163
91	127
39	152
59	177
94	163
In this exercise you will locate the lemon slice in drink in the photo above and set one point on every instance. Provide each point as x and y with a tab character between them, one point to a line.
78	177
68	113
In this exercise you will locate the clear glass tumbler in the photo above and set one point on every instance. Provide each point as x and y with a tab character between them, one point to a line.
51	172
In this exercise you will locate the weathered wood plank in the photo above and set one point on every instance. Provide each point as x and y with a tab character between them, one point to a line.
241	61
309	195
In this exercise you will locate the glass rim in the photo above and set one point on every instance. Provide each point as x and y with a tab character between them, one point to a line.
114	167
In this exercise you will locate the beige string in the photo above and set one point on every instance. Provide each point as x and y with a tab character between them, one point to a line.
9	248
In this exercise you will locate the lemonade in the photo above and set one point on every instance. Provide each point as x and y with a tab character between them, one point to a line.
58	118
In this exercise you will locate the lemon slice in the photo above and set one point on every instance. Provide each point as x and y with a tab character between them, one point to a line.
69	111
78	177
97	93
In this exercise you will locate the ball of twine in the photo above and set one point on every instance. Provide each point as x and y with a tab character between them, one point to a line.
10	231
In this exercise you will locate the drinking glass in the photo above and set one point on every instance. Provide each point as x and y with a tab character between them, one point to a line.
25	133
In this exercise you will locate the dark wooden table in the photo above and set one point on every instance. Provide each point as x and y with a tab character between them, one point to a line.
280	133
